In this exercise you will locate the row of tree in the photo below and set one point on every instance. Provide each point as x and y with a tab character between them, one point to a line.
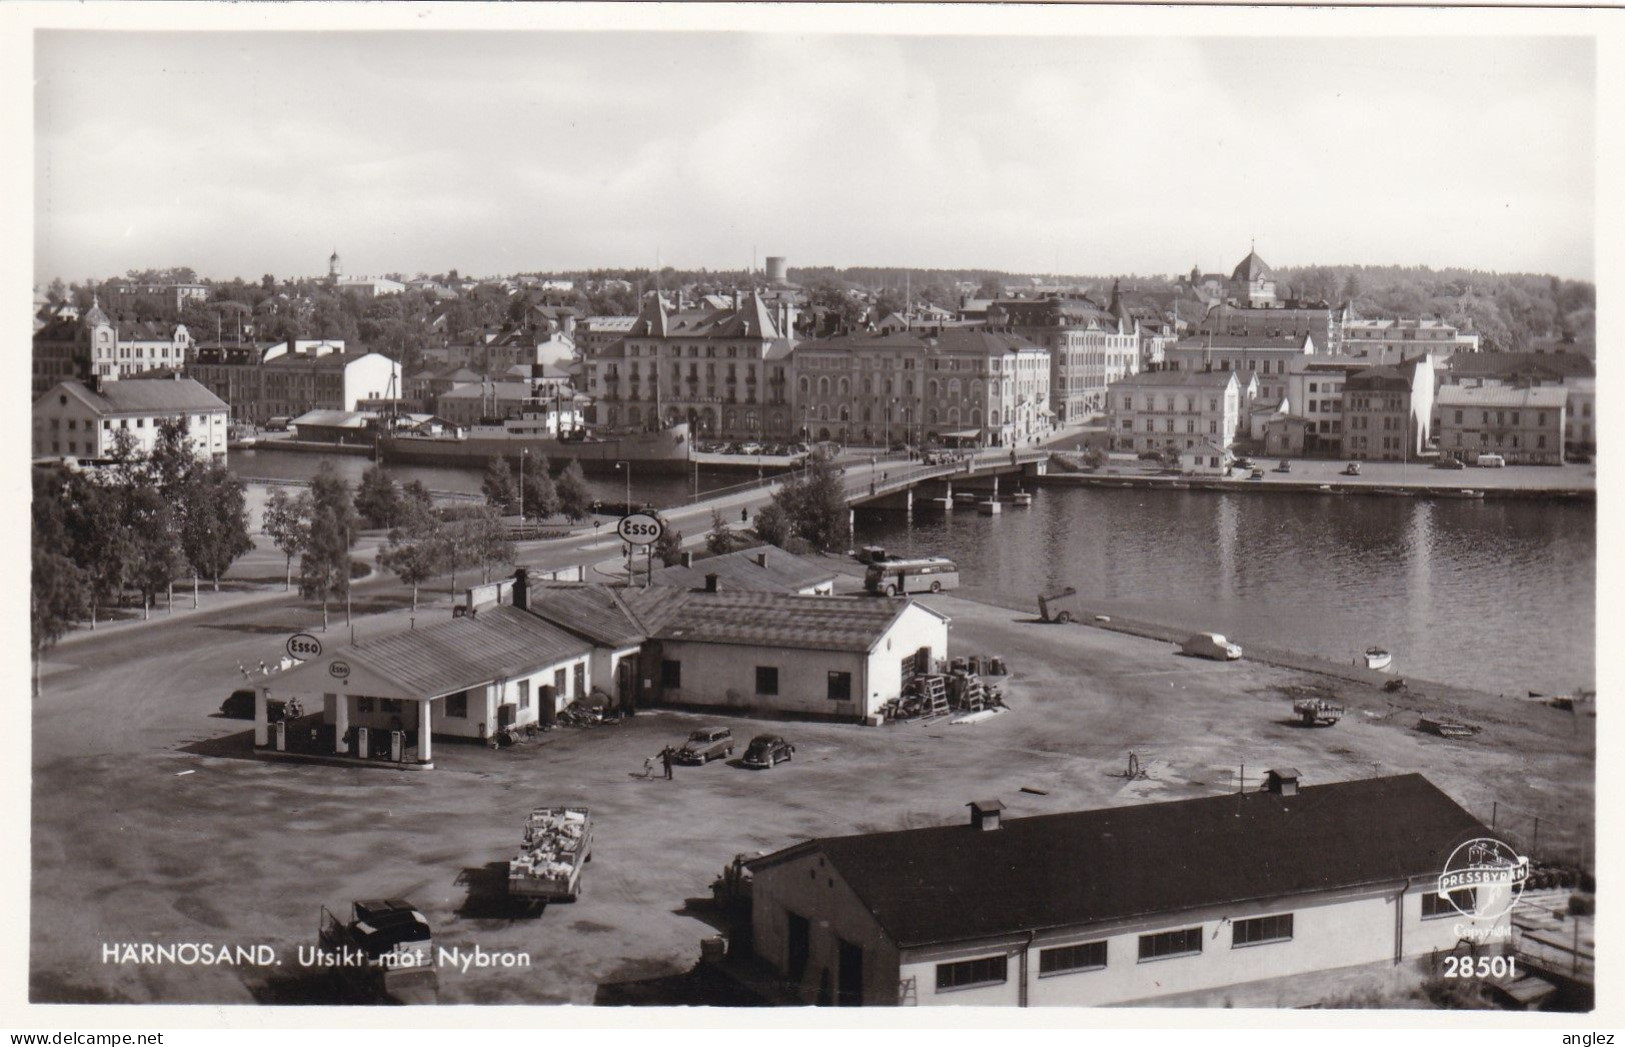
540	495
130	531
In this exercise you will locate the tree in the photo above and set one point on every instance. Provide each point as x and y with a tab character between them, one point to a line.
575	497
772	525
991	287
287	522
498	485
416	547
378	498
324	567
477	537
721	539
215	533
669	546
57	599
541	496
815	505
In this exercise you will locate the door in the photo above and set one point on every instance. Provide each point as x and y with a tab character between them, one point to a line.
624	682
800	948
849	975
505	716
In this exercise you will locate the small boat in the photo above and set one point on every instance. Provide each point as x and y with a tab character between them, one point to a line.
1329	489
1377	658
966	497
1179	485
1021	498
1463	493
1394	492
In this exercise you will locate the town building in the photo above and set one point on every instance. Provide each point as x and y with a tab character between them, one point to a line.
1177	410
597	333
149	345
1269	358
1205	459
1391	341
721	371
980	386
161	300
336	427
483	401
1388	412
466	677
370	286
1089	348
73	347
764	569
1516	368
1315	394
1580	434
1290	319
1252	284
1524	425
78	419
292	383
1178	902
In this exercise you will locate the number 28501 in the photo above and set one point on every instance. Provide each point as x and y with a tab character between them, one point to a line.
1480	967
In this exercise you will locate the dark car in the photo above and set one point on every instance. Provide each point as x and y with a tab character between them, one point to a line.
1243	463
766	750
240	706
706	744
1448	462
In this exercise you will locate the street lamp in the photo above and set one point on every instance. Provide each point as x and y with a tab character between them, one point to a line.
524	453
628	512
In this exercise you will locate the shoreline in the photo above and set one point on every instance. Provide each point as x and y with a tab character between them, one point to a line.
1369	486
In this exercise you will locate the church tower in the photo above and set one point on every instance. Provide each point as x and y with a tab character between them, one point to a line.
334	269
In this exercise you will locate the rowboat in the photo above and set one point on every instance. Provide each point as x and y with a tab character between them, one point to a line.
1377	658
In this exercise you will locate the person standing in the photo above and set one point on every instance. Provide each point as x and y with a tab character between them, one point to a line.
665	759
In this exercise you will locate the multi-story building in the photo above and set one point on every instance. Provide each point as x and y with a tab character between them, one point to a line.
237	372
483	401
966	385
1176	410
1089	348
296	382
1252	284
1523	425
1580	434
146	346
1269	358
1388	411
95	345
1290	319
1315	387
1516	368
82	419
596	333
370	286
1390	341
167	300
720	370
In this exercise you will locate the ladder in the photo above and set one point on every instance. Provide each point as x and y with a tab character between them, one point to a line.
935	696
906	996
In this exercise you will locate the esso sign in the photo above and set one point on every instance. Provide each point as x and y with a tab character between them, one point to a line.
303	647
640	529
339	670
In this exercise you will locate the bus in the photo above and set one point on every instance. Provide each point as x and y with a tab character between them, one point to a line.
930	574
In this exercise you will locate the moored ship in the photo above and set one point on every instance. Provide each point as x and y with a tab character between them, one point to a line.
667	450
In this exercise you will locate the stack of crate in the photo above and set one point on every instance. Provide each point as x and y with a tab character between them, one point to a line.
935	694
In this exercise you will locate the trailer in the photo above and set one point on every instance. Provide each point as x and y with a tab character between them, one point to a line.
557	844
384	953
1060	606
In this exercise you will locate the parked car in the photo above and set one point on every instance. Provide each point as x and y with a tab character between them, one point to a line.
1352	469
1257	474
1242	463
240	706
765	750
706	744
1284	467
1580	458
1447	462
1492	461
1211	645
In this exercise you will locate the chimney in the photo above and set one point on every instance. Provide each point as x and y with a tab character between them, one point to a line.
688	559
1282	781
761	558
521	588
984	814
712	583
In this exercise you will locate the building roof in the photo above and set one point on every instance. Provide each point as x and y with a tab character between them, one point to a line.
448	656
336	360
956	882
765	568
478	389
1158	379
1542	396
1277	343
763	619
142	396
334	419
1503	365
607	615
1252	268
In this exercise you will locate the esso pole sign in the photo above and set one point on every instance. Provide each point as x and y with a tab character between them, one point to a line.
303	647
640	529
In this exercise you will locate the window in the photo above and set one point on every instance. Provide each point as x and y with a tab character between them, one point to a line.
840	686
456	705
1261	930
561	683
671	673
1436	906
767	679
363	705
1090	956
524	694
990	970
1187	942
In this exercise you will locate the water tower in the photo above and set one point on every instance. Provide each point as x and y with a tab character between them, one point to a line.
775	269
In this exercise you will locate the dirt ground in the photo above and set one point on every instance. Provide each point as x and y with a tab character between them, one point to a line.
129	848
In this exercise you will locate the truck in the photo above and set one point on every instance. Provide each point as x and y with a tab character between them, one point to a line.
1059	606
557	844
385	952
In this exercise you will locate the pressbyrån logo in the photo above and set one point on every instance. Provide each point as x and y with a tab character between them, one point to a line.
1492	870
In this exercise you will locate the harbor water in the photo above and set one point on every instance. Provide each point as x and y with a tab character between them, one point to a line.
1497	595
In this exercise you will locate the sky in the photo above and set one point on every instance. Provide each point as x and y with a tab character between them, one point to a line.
246	153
